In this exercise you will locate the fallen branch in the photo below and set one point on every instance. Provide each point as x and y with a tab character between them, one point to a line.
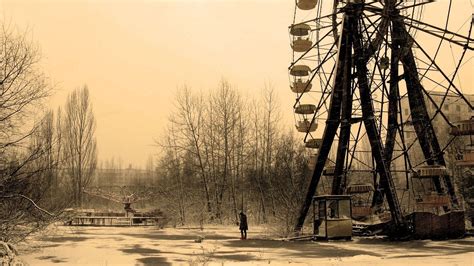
307	237
30	200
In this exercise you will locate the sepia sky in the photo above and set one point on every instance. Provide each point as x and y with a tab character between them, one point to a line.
133	55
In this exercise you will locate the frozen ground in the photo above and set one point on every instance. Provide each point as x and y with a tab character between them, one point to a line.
221	246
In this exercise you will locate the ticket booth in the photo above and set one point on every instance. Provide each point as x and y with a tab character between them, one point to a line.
332	217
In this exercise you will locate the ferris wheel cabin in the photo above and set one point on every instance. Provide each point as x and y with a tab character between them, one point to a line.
306	4
313	143
300	79
306	126
361	199
301	37
305	109
465	157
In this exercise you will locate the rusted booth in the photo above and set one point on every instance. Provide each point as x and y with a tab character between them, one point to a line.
332	217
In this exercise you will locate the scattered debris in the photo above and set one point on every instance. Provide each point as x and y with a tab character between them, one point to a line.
199	239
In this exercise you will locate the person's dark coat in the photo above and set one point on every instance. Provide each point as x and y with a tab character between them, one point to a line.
243	222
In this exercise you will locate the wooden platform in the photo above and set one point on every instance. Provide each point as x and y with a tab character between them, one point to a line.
114	221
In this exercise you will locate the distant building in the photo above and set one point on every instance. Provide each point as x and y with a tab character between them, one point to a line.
454	108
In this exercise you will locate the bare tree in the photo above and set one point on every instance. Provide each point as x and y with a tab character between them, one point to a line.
226	151
272	116
189	121
291	176
264	116
23	88
257	146
171	173
226	104
80	151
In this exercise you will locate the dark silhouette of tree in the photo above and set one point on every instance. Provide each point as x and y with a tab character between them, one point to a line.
80	151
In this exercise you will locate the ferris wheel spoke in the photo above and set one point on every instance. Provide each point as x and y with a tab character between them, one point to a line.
437	83
322	101
374	2
438	48
352	151
414	5
451	139
450	81
372	24
445	34
315	71
362	162
376	66
374	45
399	145
326	80
405	149
319	19
465	43
355	158
429	66
325	95
438	108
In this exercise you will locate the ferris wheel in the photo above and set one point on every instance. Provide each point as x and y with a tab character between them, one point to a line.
367	70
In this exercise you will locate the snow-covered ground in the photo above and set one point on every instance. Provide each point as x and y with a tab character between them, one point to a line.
62	245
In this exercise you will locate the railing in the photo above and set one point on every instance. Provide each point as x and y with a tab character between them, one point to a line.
114	221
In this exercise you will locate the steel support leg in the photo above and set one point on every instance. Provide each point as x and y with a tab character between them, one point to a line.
339	180
372	132
332	124
421	120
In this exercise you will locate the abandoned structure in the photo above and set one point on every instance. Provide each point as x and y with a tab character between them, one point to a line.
355	64
129	216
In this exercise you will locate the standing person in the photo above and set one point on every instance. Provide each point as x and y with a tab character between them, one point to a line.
243	225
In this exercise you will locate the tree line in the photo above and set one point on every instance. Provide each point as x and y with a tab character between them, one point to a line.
46	157
223	153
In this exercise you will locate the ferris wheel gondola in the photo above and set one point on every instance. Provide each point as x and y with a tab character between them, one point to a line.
465	128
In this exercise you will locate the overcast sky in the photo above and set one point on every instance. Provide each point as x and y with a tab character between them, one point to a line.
133	55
